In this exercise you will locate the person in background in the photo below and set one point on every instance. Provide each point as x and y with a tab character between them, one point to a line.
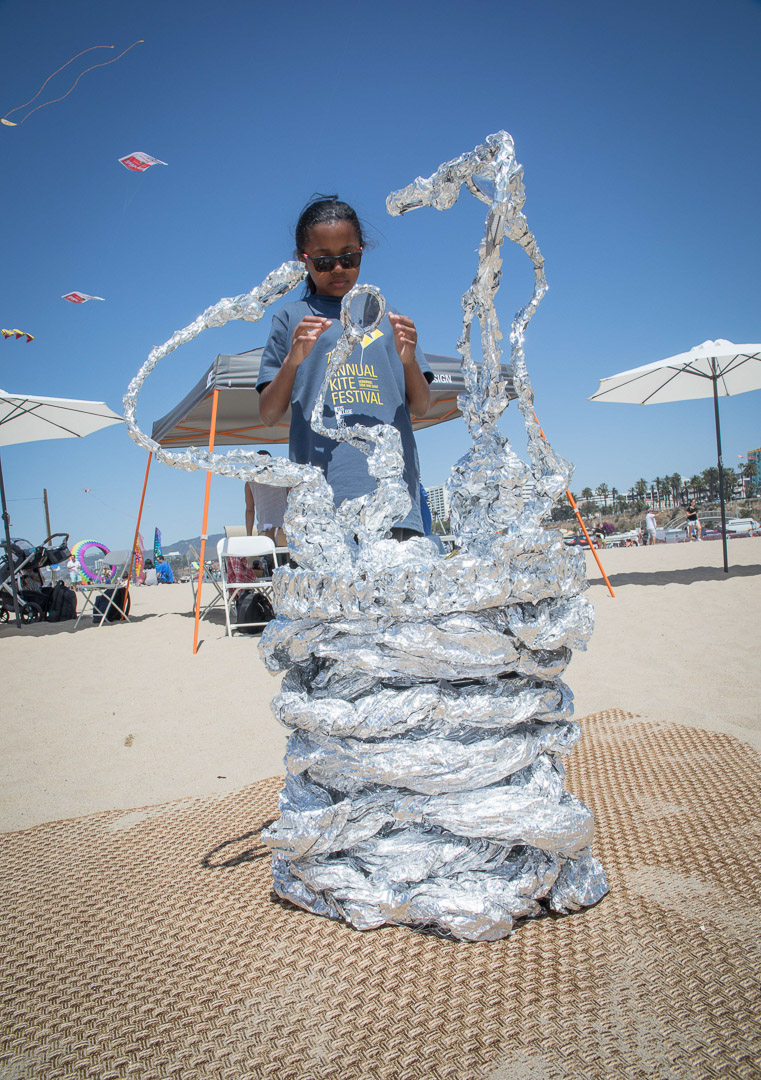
164	575
694	528
265	505
651	525
151	577
72	567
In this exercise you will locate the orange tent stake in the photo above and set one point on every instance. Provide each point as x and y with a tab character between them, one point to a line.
575	509
202	556
137	527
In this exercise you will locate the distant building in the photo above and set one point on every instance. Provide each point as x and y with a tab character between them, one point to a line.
754	482
438	502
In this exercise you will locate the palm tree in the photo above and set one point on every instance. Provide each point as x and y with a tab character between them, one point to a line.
698	485
587	493
641	488
750	472
711	477
674	483
602	491
729	477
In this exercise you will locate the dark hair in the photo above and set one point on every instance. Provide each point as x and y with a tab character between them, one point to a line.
324	210
266	453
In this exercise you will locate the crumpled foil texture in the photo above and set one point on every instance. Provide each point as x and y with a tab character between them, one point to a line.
424	695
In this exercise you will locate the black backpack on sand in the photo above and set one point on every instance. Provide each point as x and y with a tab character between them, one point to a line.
63	604
251	607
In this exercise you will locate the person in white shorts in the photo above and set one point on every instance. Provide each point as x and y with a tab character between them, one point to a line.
73	567
694	528
650	525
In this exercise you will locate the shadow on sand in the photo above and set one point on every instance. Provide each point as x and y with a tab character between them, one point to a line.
679	577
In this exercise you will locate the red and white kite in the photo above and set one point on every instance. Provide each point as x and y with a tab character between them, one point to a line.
139	161
79	297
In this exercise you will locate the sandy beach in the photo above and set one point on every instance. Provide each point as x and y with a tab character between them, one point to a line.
124	715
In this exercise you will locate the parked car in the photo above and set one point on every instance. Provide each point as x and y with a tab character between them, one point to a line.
743	526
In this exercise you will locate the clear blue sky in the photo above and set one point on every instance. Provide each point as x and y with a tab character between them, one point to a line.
637	124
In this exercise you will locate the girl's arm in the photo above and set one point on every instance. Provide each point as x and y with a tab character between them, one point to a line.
416	387
275	397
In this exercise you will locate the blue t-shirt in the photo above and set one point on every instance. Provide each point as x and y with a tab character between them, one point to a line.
164	573
368	390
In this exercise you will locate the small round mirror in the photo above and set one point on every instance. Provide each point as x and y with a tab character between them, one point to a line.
362	309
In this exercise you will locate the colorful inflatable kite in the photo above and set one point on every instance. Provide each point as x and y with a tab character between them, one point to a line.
139	162
13	123
17	334
138	565
79	550
79	297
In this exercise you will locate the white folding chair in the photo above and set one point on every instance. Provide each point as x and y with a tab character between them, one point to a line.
282	556
213	591
244	547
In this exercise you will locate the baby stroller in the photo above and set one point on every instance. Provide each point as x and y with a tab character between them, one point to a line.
27	561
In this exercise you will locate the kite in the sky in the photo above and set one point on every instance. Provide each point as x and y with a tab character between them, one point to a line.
79	297
13	123
139	161
17	334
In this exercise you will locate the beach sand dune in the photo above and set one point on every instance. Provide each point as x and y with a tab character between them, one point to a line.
125	715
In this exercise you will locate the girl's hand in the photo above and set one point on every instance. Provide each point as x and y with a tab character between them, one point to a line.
405	337
304	337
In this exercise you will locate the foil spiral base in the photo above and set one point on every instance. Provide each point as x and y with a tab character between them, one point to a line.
424	766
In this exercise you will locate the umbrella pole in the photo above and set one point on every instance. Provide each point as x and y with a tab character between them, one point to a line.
715	380
9	548
202	556
574	507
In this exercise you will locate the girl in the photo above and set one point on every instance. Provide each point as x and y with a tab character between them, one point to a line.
385	379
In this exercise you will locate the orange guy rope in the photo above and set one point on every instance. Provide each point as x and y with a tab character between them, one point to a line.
137	527
201	558
575	509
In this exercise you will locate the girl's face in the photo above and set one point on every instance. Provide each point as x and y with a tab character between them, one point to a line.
338	238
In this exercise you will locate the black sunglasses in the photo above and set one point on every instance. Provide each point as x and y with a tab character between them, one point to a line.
323	264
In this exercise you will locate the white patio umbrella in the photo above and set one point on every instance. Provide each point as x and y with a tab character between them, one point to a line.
26	418
714	369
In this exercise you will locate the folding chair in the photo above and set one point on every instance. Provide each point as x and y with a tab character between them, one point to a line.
230	552
214	583
91	590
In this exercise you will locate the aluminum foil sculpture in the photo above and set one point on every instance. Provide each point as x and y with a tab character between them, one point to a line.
424	694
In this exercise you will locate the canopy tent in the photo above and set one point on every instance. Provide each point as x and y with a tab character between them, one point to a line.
227	393
238	421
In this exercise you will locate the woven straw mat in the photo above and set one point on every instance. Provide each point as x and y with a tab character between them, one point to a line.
149	945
